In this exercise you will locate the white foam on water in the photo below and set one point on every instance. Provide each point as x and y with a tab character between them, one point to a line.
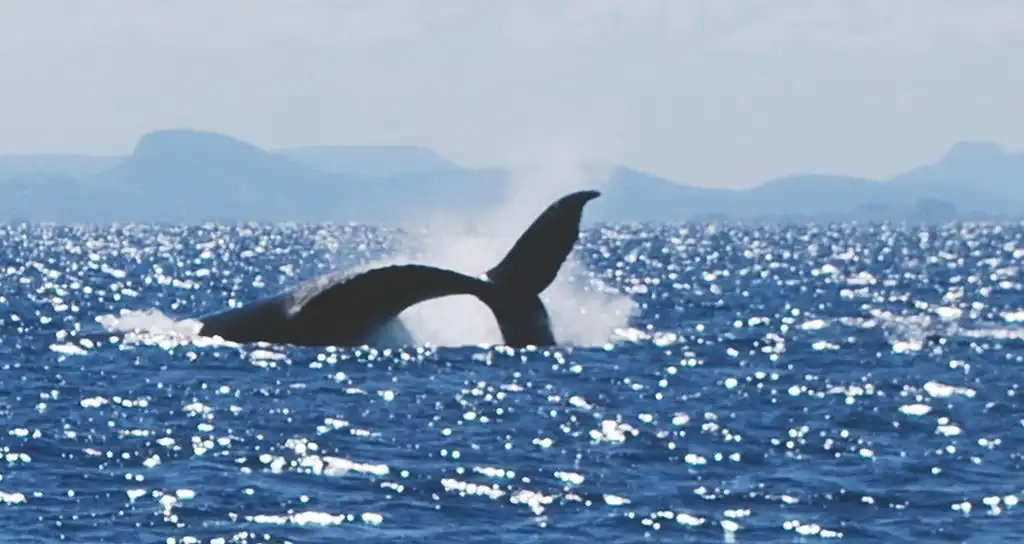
582	310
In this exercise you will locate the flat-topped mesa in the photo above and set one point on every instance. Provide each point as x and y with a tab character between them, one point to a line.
972	153
370	160
191	144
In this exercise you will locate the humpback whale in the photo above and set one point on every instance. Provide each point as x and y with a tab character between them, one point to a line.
362	308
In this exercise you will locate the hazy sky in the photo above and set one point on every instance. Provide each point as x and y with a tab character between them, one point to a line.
716	92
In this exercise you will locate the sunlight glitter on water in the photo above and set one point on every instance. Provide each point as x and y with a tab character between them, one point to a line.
814	382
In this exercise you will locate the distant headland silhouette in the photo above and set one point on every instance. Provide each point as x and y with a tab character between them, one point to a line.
192	176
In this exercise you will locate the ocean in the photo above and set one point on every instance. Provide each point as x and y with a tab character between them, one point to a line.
716	383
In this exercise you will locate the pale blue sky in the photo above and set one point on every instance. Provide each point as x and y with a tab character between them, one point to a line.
715	92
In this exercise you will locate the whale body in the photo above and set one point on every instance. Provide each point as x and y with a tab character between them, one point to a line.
362	308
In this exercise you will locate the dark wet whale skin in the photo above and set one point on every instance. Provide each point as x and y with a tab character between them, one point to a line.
361	308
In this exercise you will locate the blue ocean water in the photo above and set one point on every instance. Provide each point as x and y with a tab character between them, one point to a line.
719	384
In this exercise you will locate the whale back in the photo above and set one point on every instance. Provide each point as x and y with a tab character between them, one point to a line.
341	310
353	311
263	320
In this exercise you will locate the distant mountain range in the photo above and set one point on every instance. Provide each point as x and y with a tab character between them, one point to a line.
189	176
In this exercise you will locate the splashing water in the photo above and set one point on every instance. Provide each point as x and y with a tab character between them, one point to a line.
583	310
152	327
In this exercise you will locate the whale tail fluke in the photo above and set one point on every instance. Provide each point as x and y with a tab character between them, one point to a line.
355	309
536	257
530	266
